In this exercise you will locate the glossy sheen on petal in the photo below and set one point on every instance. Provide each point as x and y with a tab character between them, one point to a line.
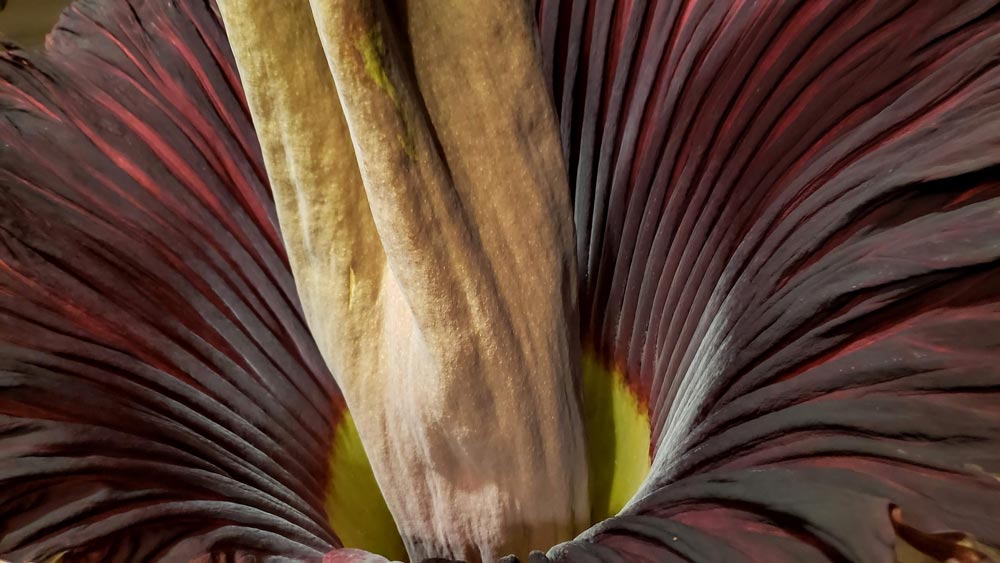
422	196
160	396
788	238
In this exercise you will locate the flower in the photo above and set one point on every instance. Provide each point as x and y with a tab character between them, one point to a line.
630	281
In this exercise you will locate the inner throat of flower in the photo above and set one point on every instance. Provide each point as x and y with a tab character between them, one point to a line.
617	431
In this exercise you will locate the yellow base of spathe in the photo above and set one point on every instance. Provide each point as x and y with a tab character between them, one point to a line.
354	504
617	433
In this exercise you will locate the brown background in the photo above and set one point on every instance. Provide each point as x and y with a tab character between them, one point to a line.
26	22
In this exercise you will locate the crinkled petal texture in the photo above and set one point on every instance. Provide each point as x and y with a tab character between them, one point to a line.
788	232
160	395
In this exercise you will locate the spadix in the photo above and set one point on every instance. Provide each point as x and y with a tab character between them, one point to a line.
422	196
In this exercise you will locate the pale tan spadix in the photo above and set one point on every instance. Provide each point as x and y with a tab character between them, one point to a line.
421	194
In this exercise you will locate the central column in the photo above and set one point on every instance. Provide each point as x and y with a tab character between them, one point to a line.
422	196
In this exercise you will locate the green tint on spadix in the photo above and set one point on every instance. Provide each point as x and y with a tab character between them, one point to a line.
355	507
617	429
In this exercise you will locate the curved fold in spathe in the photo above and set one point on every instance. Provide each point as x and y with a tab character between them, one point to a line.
160	395
787	222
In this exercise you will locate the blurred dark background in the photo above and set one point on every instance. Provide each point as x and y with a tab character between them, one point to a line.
26	22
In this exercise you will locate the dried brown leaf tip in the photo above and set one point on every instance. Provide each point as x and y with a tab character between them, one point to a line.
917	546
